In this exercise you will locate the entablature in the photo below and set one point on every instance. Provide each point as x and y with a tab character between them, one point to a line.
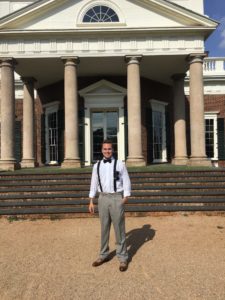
112	45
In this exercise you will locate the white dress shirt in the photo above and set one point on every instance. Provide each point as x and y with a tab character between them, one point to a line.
106	173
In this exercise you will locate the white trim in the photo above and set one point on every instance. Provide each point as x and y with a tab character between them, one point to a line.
109	4
159	106
96	45
97	97
214	115
49	109
38	8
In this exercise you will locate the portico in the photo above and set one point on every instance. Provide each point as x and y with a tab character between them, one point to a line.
137	55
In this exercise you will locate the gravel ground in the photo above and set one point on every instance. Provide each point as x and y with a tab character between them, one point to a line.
172	257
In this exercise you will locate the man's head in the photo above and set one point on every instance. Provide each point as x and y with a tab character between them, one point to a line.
107	148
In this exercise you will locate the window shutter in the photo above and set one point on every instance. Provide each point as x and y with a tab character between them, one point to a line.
126	132
168	134
81	134
61	127
149	135
43	150
18	142
221	139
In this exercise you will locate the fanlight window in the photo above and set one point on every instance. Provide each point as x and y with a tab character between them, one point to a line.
100	13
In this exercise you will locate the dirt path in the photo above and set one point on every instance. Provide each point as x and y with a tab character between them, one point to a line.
172	257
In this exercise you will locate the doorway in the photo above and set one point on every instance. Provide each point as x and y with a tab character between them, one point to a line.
104	126
104	118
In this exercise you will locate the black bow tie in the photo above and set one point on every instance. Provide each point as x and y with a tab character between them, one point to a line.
109	160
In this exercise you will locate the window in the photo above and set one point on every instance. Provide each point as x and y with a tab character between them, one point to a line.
53	136
52	132
159	130
211	139
157	134
104	126
100	13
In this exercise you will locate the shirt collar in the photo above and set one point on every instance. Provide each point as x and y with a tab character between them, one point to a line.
112	158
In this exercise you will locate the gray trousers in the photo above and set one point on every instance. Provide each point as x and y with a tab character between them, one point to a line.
111	210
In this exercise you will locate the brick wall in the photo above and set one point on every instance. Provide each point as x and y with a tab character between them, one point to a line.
215	103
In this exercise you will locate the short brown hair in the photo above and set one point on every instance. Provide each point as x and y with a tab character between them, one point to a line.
107	142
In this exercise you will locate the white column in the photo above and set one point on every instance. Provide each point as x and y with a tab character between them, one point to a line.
71	159
180	143
197	122
28	160
135	155
8	161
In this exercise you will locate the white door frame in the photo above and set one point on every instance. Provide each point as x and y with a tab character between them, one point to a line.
213	115
160	106
103	95
50	108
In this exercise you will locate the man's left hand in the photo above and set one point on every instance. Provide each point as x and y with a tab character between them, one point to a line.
125	199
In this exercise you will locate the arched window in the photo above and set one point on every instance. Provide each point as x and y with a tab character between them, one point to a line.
100	13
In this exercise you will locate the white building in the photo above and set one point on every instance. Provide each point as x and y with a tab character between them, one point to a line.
103	69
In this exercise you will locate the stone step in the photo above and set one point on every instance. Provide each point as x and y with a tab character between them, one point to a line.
70	210
67	193
77	202
86	183
87	175
135	195
150	189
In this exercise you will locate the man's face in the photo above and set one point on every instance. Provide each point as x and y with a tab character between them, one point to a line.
107	150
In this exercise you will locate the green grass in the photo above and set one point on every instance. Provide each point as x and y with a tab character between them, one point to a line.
149	168
48	170
170	168
13	219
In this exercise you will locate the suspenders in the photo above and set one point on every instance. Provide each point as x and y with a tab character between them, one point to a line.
115	175
99	181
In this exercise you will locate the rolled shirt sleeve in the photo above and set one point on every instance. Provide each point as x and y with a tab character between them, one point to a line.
94	182
126	182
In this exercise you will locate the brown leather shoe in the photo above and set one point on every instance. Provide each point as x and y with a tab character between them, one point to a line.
123	266
99	262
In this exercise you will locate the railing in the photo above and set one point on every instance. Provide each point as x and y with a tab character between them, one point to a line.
214	66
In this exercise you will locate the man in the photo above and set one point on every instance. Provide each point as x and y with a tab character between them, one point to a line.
110	178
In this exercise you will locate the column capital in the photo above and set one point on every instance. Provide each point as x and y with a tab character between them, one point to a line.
70	60
7	61
196	58
133	59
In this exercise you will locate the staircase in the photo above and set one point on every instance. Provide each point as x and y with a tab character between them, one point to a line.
63	194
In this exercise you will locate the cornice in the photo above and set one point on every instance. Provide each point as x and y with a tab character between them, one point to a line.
102	31
40	7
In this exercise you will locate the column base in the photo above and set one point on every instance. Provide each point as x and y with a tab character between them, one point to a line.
135	162
180	161
27	163
9	165
200	161
71	163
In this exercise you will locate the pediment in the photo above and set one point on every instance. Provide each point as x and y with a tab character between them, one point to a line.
53	15
103	87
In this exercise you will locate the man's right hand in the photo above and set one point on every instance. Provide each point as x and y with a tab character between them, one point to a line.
91	207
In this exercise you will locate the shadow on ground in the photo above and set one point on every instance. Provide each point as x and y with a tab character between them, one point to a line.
135	239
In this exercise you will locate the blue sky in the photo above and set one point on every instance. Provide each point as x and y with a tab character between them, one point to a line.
215	44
